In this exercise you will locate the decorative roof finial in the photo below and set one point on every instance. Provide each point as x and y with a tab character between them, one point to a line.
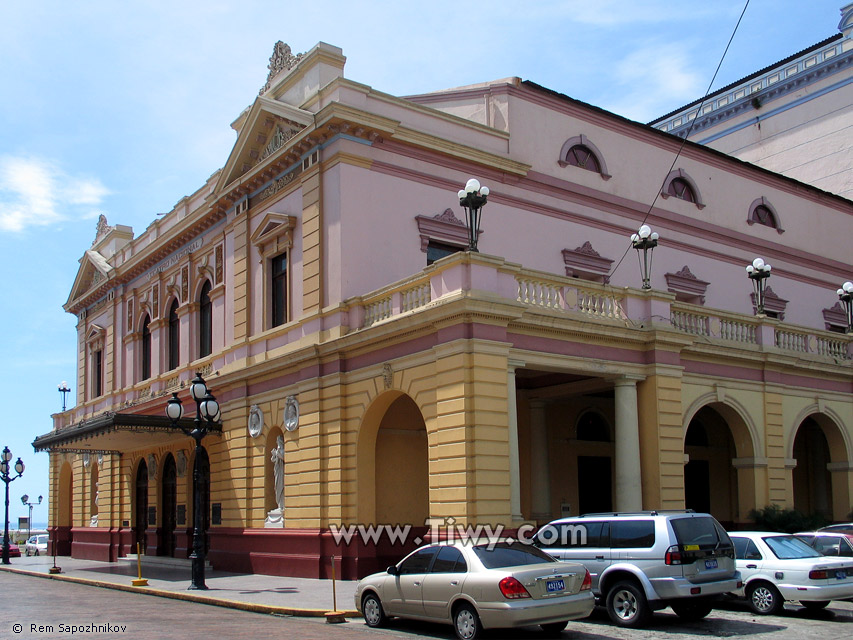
282	59
102	228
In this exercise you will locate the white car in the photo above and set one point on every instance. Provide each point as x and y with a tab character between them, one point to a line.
37	545
777	567
476	587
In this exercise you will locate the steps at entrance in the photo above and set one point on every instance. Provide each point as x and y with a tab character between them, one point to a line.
162	561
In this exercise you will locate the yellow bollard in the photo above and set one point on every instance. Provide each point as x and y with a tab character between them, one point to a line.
140	581
335	616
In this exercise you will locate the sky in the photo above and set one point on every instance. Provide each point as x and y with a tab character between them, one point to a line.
123	108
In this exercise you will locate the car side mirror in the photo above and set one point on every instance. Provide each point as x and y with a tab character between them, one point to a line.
392	570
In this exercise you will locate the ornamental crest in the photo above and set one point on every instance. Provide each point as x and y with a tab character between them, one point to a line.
282	59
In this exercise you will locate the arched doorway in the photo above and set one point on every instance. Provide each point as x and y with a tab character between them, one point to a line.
140	511
594	463
818	443
715	438
168	507
393	453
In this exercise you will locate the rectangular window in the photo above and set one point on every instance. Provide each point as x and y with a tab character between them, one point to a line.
278	292
438	250
632	534
97	373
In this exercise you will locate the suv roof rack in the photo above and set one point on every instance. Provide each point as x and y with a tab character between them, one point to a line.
653	512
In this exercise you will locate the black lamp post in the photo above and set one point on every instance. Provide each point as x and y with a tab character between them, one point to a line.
758	272
5	476
25	500
845	294
63	389
645	241
206	416
473	197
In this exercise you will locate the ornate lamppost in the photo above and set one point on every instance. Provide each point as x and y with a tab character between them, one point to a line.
758	272
207	415
5	476
63	389
845	294
645	241
25	500
473	198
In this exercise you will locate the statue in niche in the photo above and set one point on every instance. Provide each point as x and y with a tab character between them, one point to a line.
93	521
275	518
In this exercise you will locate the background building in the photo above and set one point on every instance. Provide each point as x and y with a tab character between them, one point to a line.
317	282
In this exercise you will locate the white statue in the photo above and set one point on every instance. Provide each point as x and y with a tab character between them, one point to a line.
275	517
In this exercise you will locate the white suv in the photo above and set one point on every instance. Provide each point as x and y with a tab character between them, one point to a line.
645	561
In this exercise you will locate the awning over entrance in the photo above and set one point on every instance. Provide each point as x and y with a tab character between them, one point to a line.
115	433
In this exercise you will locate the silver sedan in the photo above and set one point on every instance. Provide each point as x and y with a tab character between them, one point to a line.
476	587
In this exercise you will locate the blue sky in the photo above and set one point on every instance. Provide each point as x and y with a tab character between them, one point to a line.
123	108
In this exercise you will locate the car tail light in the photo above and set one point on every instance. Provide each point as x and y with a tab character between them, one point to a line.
587	582
818	574
673	555
512	588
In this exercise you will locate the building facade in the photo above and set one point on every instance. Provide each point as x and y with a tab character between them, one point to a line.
791	117
371	371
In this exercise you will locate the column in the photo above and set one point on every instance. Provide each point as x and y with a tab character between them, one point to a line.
540	474
514	472
629	495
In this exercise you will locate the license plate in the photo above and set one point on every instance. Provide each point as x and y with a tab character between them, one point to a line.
555	585
711	564
840	574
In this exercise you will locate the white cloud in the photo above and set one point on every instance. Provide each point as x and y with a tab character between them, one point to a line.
36	193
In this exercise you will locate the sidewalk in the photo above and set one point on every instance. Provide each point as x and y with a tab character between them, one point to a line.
249	592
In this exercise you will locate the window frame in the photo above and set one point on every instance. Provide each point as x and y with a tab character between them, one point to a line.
173	333
145	349
278	283
205	320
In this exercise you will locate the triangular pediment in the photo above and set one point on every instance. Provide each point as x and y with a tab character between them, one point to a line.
94	271
274	233
268	127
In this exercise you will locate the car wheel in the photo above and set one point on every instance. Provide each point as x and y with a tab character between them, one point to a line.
764	599
692	611
371	608
554	628
814	605
627	605
466	623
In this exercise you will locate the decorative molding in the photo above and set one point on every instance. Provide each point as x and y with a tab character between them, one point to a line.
752	219
387	376
586	142
102	229
255	424
274	234
684	283
586	263
681	173
291	413
835	316
772	303
444	227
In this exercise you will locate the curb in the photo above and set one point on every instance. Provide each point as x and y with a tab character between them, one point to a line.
191	597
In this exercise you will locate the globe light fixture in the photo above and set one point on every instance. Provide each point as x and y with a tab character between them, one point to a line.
758	272
63	390
645	241
207	416
845	294
473	198
6	477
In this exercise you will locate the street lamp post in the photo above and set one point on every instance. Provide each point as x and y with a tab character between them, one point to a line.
758	272
206	416
25	500
473	198
845	294
5	476
63	389
645	240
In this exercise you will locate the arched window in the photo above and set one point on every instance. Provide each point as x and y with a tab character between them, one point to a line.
762	212
682	190
205	322
579	151
583	157
681	186
174	336
146	348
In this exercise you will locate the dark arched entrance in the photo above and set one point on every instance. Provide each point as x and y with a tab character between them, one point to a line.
812	479
140	513
595	463
168	502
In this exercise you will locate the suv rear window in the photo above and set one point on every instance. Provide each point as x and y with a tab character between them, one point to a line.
704	532
632	534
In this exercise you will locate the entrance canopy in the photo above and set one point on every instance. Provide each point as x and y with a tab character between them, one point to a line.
115	433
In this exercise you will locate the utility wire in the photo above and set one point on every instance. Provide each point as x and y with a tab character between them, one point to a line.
687	133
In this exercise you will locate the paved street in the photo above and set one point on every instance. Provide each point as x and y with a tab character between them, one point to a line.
29	600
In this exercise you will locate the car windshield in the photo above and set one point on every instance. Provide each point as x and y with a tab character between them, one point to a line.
505	554
789	548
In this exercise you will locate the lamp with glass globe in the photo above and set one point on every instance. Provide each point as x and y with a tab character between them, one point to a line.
6	477
473	198
845	294
758	272
645	241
